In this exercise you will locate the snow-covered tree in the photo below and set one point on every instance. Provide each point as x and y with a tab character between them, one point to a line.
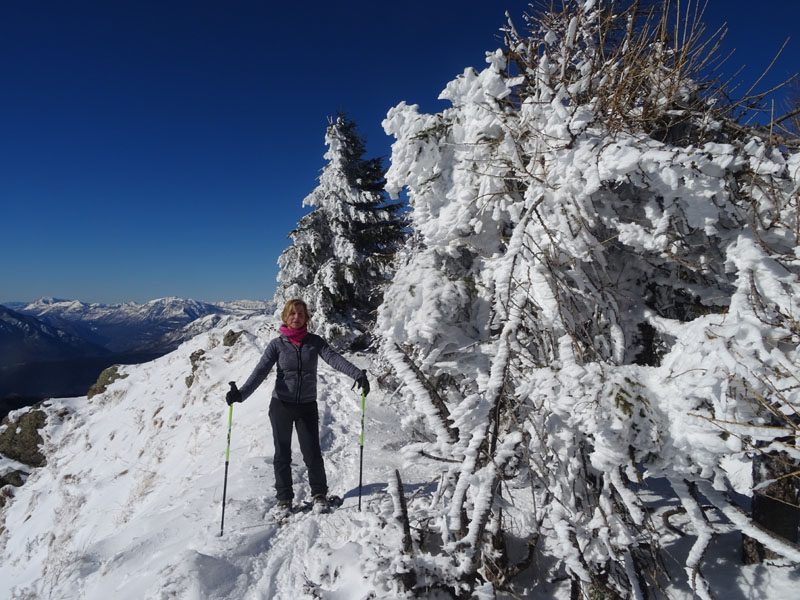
340	258
604	292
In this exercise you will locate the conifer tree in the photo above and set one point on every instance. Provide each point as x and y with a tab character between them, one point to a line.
341	253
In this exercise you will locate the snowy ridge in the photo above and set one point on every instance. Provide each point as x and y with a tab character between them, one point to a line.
165	308
161	307
129	502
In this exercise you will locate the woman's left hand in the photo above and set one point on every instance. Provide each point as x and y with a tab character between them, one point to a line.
363	383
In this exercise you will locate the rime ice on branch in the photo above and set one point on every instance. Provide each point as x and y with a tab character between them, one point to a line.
603	289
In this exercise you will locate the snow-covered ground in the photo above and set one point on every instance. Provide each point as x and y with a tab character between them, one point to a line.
129	503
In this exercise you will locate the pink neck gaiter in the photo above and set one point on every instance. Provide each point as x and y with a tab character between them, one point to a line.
296	336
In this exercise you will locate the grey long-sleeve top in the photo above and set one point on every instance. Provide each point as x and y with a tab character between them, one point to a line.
296	379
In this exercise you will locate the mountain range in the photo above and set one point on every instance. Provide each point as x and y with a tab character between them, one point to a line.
131	327
25	339
57	348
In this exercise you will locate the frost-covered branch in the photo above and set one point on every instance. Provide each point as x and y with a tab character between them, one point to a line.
411	375
606	274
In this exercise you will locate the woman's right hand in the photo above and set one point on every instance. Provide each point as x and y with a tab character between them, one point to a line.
233	395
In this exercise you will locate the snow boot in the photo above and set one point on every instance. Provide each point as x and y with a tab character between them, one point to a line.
282	509
320	504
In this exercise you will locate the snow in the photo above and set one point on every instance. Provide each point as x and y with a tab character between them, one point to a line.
129	503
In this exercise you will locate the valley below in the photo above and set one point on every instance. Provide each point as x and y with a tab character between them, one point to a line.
25	384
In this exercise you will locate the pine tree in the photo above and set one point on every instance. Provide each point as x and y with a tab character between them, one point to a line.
341	254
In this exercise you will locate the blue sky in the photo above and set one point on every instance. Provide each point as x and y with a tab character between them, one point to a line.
163	148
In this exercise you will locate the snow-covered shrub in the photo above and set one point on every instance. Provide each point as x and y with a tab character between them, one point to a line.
603	291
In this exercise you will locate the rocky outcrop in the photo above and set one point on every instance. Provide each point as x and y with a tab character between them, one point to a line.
107	377
230	337
14	477
194	359
20	439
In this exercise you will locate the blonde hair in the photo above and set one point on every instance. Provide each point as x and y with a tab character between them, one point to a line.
291	305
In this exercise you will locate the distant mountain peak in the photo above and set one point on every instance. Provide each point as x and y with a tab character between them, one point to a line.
133	326
49	300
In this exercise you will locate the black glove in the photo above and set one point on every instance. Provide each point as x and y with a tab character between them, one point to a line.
233	395
363	383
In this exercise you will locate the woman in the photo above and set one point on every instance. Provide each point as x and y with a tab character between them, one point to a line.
294	399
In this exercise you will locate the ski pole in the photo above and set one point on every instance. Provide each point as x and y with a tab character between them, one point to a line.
227	460
361	462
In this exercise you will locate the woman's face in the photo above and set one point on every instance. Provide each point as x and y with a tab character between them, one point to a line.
297	317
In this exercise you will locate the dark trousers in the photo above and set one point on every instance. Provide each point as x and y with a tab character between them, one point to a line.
305	419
